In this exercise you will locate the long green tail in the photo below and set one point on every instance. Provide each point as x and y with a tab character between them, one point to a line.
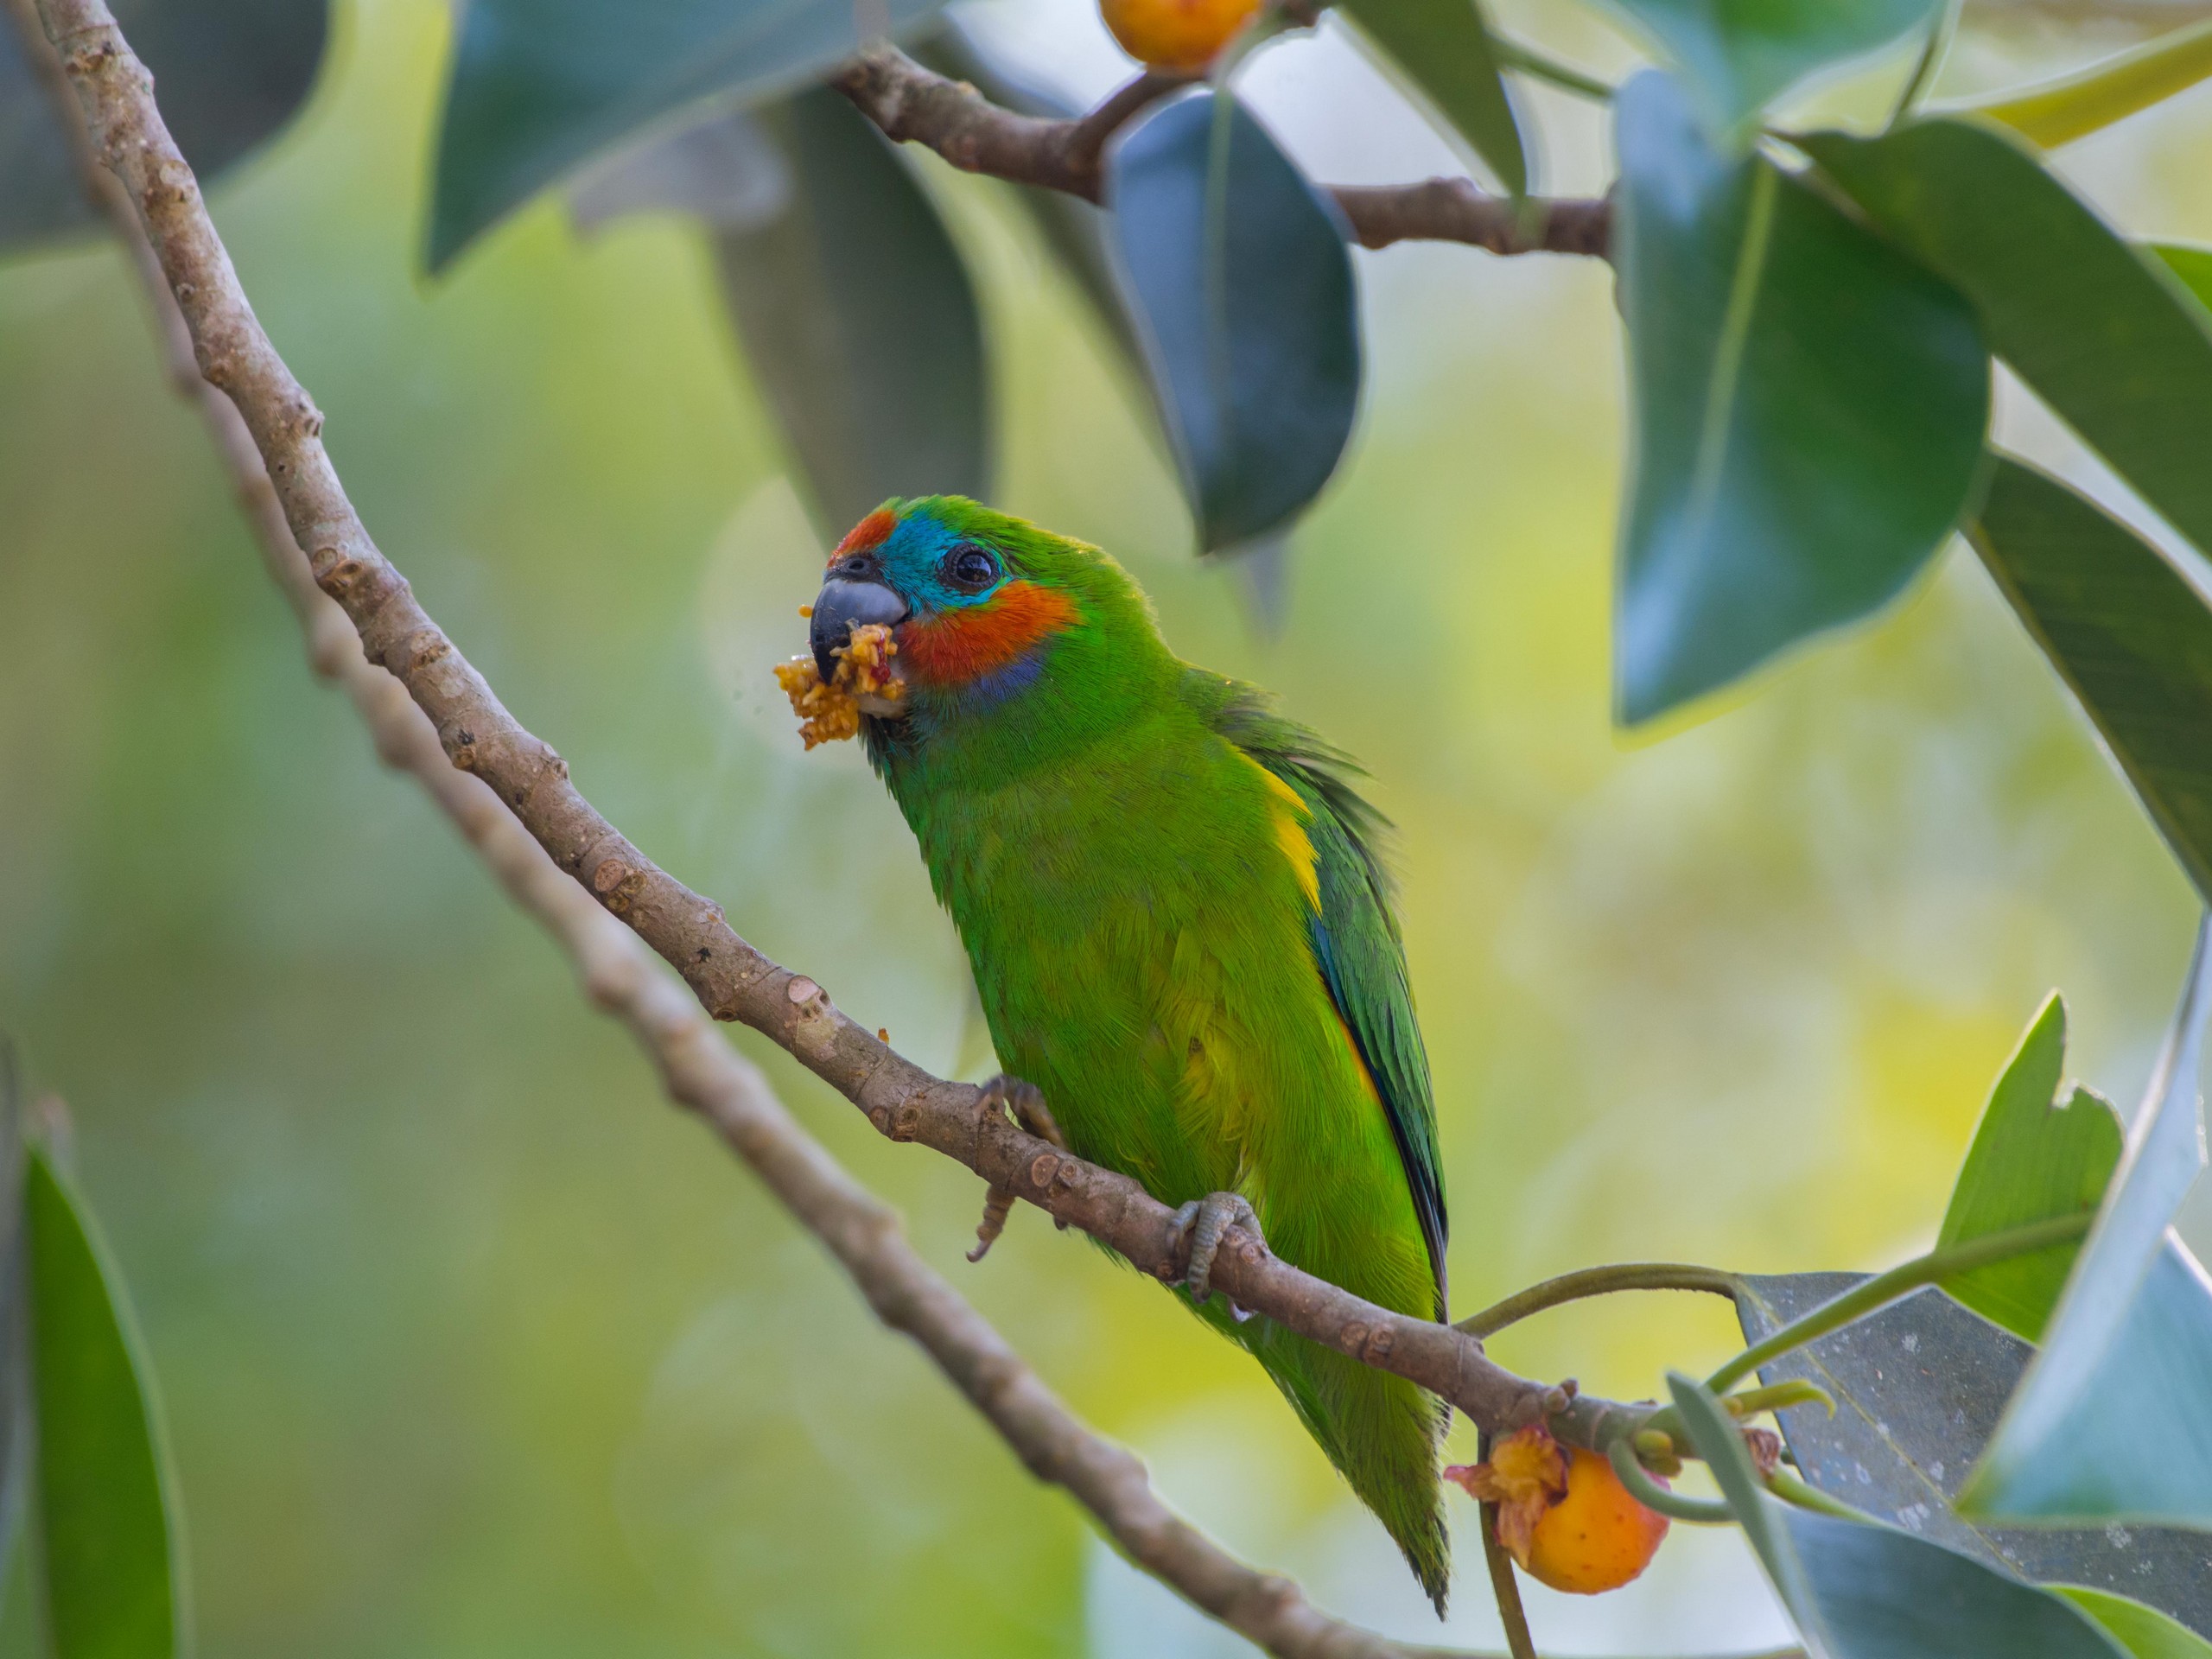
1382	1432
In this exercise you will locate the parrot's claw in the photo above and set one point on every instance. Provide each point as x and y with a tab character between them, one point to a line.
1204	1222
1004	1094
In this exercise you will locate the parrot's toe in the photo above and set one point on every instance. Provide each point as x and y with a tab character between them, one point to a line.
1203	1221
1006	1093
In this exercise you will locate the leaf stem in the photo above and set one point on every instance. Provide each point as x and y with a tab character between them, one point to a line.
1700	1511
1779	1397
1886	1287
1542	66
1789	1488
1598	1281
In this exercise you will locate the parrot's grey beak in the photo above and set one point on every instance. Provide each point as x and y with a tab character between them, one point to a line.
855	594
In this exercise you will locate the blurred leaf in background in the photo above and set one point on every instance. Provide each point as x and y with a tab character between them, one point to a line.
1809	410
1236	267
539	86
1443	47
232	72
1740	54
107	1539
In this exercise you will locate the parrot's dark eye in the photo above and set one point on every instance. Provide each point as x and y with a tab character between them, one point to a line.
969	568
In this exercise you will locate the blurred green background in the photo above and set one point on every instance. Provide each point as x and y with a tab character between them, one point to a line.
471	1346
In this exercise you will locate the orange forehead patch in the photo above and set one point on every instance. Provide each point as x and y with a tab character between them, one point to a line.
869	532
966	644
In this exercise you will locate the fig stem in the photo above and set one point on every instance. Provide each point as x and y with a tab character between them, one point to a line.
1791	1489
1886	1287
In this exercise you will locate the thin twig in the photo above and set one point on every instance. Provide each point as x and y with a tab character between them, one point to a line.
917	105
1504	1588
1598	1281
698	1068
730	978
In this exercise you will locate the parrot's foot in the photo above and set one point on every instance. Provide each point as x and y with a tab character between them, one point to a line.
1205	1221
1027	1102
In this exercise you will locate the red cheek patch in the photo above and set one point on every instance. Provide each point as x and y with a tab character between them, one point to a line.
966	644
869	532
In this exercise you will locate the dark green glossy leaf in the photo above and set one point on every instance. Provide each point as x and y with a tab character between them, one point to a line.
2145	1632
1809	410
2129	634
231	72
1443	47
859	320
1248	316
2103	332
1919	1388
1866	1591
2033	1158
106	1527
539	86
2114	1420
1741	55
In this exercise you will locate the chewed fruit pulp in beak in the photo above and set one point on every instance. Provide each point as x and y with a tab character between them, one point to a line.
865	681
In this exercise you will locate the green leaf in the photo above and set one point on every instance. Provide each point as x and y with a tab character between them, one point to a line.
2143	1631
2103	332
107	1527
2032	1158
1918	1389
1740	54
1864	1591
1247	311
1443	47
2105	92
539	86
859	320
232	72
2112	1420
1809	408
2131	636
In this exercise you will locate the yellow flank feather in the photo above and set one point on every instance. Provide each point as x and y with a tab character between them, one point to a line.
1291	814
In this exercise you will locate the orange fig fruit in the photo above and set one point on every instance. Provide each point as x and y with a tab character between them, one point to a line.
1182	35
1563	1514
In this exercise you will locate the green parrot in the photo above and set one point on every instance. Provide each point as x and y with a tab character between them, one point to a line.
1180	932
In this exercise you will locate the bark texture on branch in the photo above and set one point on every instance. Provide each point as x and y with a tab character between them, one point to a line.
917	105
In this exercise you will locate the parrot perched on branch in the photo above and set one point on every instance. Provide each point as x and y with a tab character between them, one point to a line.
1180	932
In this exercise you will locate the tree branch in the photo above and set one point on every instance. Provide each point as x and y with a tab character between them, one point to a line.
914	104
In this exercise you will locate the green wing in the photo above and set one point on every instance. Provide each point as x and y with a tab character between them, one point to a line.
1355	936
